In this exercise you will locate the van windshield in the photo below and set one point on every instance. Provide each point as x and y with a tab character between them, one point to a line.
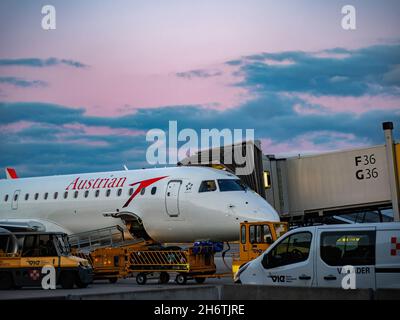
231	185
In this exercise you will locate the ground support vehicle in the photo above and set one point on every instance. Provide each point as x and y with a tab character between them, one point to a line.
255	238
23	255
353	256
113	257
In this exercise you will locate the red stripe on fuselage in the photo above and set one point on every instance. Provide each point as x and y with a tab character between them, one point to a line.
142	184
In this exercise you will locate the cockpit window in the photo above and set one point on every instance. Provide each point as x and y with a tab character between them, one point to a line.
231	185
207	186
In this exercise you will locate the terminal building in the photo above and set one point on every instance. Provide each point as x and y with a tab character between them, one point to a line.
358	185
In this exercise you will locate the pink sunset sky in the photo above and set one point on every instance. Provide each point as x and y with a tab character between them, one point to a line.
135	56
134	49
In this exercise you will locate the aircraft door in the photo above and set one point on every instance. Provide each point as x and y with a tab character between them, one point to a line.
172	198
14	202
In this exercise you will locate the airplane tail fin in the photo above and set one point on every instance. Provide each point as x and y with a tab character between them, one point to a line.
11	173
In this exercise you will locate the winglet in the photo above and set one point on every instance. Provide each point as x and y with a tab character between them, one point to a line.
11	173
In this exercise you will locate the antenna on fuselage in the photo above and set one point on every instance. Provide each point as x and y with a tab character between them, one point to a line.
126	168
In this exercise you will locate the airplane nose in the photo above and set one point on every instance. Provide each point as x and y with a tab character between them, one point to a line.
261	215
258	209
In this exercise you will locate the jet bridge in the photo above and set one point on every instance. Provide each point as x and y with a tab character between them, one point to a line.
358	185
361	184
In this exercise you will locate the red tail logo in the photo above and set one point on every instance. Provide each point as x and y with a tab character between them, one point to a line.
142	184
11	173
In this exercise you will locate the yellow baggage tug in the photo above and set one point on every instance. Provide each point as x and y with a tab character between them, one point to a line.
24	254
255	238
113	257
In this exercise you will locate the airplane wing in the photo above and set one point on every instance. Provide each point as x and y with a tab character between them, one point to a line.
24	225
31	225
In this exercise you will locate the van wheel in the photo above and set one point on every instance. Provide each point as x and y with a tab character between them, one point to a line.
67	280
164	277
141	278
181	279
113	280
6	281
80	284
200	280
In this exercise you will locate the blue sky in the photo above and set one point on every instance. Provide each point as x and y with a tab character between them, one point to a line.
82	97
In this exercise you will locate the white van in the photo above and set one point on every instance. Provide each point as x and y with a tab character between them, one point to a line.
315	257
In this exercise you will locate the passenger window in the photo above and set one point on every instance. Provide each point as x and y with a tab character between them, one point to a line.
26	196
16	197
30	246
267	237
130	191
86	193
280	229
46	246
76	194
65	194
292	249
97	193
258	234
207	186
6	198
108	192
153	190
355	248
55	195
243	235
143	191
119	192
36	196
39	246
46	195
252	234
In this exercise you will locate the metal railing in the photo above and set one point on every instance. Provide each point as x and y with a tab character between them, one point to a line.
105	237
159	260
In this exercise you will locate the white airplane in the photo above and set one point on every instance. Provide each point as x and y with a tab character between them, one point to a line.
177	204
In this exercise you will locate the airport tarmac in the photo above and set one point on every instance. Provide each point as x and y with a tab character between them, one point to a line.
123	286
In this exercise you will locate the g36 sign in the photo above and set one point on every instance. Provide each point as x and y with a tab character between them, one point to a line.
366	167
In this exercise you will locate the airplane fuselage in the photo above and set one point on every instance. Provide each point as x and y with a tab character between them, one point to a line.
166	201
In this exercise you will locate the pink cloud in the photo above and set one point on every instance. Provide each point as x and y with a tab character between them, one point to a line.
106	92
285	62
331	55
101	130
86	142
304	144
358	105
15	127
